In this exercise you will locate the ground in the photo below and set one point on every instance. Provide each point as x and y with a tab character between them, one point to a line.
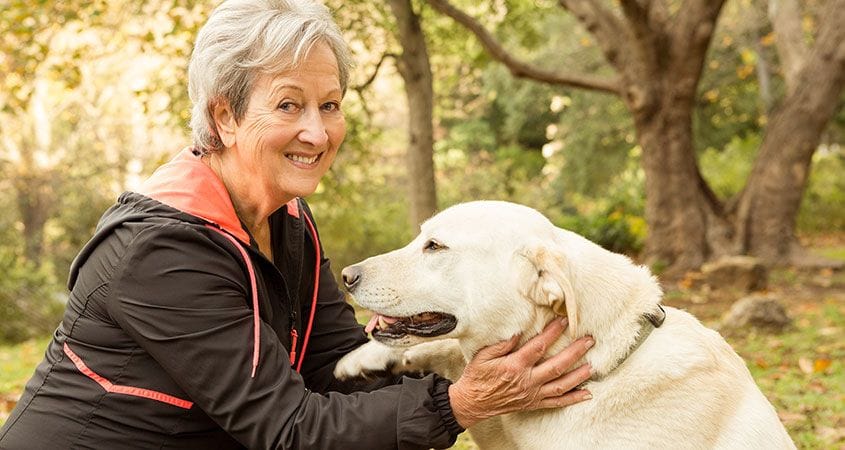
801	370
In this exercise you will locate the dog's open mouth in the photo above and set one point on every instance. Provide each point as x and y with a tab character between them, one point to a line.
427	324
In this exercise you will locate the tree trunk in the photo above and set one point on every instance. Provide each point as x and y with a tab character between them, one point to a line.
767	208
34	194
686	227
685	219
415	69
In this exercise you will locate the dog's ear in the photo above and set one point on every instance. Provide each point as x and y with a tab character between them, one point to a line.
549	285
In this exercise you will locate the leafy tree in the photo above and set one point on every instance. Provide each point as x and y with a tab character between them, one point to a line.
657	50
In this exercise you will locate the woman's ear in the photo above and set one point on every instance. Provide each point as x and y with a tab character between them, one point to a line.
224	122
548	284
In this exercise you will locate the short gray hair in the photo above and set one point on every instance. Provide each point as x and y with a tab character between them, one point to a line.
245	38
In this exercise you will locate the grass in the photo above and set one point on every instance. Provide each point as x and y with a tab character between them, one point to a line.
835	252
802	372
17	363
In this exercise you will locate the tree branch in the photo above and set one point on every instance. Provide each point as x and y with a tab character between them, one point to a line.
520	68
785	16
648	22
372	78
690	33
612	34
637	14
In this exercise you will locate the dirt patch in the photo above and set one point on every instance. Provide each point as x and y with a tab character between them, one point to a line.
798	290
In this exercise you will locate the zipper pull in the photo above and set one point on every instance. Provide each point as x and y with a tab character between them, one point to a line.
293	338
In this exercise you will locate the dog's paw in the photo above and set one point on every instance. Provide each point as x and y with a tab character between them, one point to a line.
372	358
441	356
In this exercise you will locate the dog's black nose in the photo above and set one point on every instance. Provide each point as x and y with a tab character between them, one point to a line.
351	276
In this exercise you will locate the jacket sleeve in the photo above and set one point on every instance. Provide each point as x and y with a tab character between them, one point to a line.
182	297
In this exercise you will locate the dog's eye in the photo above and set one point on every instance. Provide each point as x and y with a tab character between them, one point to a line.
433	246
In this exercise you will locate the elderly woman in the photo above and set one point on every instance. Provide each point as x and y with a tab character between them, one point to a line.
203	312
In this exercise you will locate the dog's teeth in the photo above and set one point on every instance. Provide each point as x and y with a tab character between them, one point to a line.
381	323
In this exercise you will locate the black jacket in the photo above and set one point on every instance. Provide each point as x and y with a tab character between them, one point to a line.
157	345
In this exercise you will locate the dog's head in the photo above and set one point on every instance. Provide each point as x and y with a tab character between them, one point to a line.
480	272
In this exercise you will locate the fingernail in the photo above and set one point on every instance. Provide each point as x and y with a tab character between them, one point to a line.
589	342
587	396
564	322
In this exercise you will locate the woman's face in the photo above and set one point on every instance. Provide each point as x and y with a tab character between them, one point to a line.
292	128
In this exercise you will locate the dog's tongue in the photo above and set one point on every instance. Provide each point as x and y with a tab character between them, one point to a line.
374	321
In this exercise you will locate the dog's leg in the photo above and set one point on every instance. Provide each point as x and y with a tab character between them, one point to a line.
368	359
442	356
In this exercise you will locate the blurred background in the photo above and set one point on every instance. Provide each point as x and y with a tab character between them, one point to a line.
677	132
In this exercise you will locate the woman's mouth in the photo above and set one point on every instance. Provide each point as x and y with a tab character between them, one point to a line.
306	160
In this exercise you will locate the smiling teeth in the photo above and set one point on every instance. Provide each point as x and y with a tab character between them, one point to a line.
302	159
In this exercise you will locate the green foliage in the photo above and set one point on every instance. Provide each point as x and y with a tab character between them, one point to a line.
28	299
730	101
504	173
727	168
595	135
823	207
613	220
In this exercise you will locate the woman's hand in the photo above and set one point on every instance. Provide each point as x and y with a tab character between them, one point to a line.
497	381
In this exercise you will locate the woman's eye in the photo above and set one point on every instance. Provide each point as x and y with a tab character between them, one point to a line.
288	106
433	246
331	107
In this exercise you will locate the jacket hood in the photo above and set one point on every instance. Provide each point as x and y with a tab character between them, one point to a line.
185	189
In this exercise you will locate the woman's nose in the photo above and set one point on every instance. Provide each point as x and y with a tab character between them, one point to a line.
313	130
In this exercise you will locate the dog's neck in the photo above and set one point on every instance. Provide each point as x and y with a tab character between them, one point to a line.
612	309
648	323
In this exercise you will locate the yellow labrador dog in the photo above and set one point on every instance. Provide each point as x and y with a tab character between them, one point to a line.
481	272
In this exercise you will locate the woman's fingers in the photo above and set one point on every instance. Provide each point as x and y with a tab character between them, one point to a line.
498	349
534	350
561	363
560	386
500	380
570	398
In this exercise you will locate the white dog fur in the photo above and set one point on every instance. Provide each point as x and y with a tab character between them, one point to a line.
503	269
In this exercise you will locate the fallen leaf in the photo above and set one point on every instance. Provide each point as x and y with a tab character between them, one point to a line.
806	365
821	364
817	387
830	331
831	434
775	343
789	418
761	363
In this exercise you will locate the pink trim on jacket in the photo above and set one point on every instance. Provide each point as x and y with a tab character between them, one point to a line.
256	320
126	390
316	289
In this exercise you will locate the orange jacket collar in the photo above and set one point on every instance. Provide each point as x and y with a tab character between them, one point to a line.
187	184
